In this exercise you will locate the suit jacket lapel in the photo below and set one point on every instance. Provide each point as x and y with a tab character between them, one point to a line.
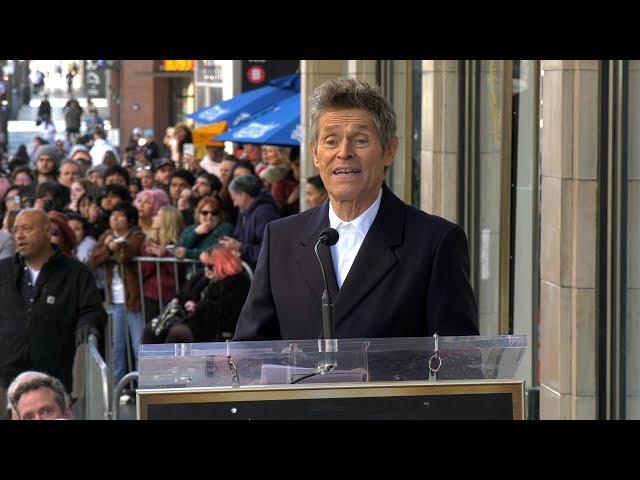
307	260
375	257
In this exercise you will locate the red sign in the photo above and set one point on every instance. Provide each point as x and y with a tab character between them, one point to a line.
256	74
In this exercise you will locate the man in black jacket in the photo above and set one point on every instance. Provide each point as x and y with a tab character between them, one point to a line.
395	271
50	304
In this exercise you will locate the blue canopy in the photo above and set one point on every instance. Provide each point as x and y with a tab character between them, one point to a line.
280	126
248	105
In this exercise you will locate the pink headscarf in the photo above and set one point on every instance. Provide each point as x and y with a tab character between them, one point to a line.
157	196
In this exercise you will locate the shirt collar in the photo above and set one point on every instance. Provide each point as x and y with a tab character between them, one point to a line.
363	222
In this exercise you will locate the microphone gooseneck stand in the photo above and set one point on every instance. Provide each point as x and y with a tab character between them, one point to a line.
329	237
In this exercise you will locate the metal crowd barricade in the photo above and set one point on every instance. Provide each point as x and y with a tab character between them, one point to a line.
95	401
132	375
158	261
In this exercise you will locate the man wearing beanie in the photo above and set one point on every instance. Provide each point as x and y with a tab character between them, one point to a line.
46	163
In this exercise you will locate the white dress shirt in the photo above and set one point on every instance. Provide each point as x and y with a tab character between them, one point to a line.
352	235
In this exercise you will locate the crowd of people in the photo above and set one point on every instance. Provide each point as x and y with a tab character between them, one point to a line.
102	207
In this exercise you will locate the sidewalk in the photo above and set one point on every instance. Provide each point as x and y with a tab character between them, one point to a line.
23	130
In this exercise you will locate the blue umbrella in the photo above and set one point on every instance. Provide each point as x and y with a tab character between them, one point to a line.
248	105
280	126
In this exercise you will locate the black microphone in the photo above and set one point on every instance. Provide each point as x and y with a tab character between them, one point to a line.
329	237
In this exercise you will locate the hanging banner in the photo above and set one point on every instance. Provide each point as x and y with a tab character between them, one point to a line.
94	79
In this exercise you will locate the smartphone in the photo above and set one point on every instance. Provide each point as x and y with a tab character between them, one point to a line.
187	149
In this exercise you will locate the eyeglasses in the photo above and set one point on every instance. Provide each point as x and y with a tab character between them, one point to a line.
208	212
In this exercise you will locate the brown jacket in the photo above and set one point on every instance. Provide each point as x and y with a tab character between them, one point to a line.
101	255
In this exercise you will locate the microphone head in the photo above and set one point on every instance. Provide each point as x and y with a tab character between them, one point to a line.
329	236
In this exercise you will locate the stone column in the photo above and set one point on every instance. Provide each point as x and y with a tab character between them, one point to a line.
439	188
568	253
633	240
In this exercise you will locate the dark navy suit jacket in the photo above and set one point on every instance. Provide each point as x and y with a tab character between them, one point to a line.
410	278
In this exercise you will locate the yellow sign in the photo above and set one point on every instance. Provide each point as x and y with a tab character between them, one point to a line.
178	65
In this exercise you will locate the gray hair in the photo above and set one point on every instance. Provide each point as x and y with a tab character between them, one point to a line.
52	383
16	382
72	162
249	184
345	93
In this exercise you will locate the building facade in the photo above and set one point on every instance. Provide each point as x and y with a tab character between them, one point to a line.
537	161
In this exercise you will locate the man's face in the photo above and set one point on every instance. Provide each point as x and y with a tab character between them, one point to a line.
40	404
202	187
349	155
175	188
69	173
252	152
110	201
315	197
146	179
225	170
118	222
115	178
31	233
163	174
240	200
23	178
45	164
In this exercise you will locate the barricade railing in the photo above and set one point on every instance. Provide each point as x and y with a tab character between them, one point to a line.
191	266
194	264
127	379
95	400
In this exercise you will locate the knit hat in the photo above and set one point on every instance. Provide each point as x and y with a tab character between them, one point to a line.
101	168
49	150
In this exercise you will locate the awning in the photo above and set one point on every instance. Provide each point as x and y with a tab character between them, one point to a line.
249	105
280	126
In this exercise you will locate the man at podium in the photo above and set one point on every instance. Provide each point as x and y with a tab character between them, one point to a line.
395	271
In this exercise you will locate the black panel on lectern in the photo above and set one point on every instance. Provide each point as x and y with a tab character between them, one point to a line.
494	406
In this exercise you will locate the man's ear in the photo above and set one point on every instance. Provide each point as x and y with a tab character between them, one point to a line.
390	152
314	154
